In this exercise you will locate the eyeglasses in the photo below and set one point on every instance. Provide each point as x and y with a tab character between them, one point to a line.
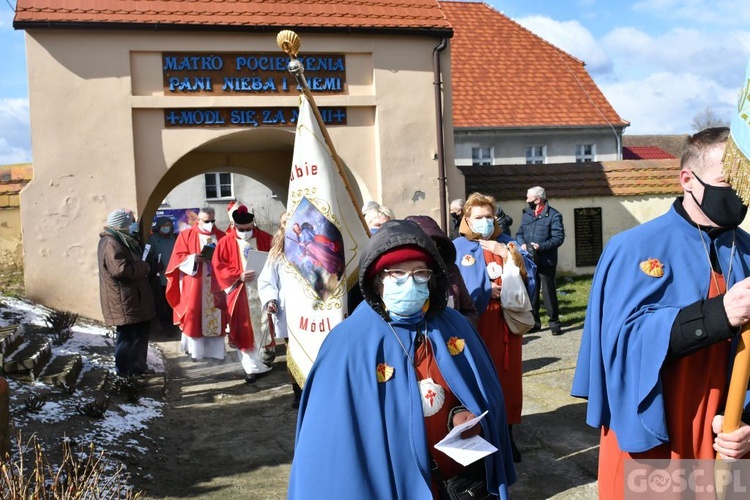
207	221
399	276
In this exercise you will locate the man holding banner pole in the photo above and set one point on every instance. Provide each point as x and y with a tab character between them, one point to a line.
663	321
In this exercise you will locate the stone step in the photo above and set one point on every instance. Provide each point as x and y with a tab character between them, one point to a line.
62	370
96	380
10	339
30	358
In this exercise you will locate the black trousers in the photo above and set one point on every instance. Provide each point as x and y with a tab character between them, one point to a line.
131	348
546	283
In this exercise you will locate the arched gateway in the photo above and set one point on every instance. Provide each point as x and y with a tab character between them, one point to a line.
125	104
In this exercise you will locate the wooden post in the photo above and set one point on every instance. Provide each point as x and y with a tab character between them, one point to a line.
4	419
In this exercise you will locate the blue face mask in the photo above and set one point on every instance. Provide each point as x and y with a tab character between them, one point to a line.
374	230
483	226
405	299
133	229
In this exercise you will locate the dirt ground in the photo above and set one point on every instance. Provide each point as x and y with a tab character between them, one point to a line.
219	438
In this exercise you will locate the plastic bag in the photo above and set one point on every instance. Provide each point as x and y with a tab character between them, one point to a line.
513	295
515	300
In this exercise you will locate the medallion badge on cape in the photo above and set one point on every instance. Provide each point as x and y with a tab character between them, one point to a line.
652	267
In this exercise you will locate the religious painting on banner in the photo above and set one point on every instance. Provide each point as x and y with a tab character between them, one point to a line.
323	242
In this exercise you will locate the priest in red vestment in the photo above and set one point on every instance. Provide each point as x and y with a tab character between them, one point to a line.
238	280
200	314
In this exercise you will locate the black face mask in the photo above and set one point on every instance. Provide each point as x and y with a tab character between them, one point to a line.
721	205
532	205
455	216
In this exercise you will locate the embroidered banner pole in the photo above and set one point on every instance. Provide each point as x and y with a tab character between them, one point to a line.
325	232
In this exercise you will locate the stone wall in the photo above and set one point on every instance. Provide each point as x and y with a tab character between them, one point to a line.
12	179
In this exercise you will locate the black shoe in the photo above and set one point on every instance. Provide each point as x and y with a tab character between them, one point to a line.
535	328
555	329
253	377
514	450
297	395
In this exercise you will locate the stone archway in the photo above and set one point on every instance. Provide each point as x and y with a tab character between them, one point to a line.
264	155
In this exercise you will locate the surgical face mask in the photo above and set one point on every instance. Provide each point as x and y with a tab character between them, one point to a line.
483	226
404	299
245	235
206	227
374	230
133	229
165	230
721	205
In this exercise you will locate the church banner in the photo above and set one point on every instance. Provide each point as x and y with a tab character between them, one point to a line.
323	243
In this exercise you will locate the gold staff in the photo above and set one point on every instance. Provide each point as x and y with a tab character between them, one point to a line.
289	42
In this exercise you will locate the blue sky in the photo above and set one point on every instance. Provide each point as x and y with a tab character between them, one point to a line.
658	62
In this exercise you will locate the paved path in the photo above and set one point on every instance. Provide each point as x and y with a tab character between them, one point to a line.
222	439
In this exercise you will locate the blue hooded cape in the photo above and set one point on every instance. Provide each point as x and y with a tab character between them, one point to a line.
629	319
360	438
475	276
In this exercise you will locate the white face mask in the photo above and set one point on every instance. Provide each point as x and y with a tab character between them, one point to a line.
483	226
206	227
245	235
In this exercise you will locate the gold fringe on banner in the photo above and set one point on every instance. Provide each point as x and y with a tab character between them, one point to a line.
295	370
736	170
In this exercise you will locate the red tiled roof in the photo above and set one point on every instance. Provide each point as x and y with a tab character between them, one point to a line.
13	178
671	144
505	76
575	180
419	15
644	153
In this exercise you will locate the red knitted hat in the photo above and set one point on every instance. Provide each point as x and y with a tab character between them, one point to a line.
398	255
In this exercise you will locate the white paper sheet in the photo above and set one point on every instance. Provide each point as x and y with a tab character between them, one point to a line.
465	451
255	261
146	250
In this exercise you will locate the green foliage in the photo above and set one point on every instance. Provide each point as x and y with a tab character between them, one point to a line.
573	297
59	324
11	281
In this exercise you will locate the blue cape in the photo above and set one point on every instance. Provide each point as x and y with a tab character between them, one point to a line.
629	319
360	438
475	276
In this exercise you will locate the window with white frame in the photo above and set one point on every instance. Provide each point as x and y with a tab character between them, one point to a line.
536	154
218	185
585	153
481	156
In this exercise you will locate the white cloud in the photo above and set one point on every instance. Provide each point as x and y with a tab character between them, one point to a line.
571	37
15	132
665	103
698	12
720	57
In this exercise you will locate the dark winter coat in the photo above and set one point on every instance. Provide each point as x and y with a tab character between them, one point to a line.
546	230
124	288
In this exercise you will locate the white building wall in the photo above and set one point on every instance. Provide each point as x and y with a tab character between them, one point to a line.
509	146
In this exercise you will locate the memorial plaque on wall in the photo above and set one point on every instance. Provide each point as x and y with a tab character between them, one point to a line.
588	235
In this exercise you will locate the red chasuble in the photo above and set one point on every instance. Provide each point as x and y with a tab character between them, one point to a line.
695	390
505	351
186	302
227	264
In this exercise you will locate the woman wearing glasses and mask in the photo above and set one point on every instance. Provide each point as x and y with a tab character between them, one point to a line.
392	379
